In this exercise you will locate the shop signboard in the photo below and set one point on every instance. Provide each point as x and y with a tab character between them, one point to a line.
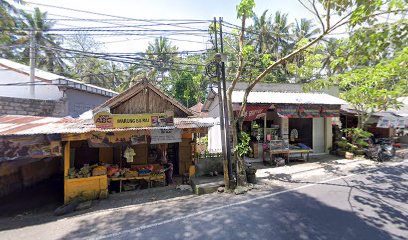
106	120
307	111
165	136
252	112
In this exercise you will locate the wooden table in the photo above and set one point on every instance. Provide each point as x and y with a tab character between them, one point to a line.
148	178
274	152
287	153
301	151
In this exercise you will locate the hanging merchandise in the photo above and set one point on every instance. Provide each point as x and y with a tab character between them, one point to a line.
129	154
294	135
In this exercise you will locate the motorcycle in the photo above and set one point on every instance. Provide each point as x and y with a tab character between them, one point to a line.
381	150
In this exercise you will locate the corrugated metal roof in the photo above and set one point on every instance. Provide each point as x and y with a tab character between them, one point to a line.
287	97
27	125
31	125
192	123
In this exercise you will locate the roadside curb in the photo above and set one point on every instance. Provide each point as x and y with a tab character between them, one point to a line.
316	168
127	207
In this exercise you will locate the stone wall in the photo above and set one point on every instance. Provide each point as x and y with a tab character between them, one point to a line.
206	165
22	106
17	175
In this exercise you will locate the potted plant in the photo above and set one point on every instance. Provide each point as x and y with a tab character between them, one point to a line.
358	138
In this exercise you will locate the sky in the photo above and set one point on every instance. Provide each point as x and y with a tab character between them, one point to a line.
159	9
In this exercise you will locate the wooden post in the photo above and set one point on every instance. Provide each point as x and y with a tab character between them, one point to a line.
67	160
265	126
67	157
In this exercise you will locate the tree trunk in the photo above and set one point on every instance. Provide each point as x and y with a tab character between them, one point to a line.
240	163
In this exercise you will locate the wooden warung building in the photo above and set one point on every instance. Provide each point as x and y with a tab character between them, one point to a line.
130	134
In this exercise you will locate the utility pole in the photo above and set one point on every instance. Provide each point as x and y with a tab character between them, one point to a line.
226	112
221	110
32	63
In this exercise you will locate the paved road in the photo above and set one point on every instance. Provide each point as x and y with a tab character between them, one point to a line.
357	204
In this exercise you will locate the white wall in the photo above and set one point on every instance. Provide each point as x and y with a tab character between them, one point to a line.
329	133
214	138
213	110
319	135
45	92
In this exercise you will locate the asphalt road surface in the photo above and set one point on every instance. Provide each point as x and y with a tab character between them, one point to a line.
357	204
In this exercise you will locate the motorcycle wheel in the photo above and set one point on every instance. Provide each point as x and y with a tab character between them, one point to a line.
380	157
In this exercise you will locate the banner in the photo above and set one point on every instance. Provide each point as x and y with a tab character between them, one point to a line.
103	139
165	136
105	119
34	146
397	122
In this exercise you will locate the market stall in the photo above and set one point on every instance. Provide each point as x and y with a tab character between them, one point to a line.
290	131
128	147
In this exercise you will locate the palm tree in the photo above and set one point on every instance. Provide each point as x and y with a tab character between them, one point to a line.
48	54
262	30
331	46
7	13
161	57
305	29
280	34
7	22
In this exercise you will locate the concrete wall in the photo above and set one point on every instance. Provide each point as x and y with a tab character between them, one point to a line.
35	107
80	101
319	135
44	92
17	175
328	133
206	165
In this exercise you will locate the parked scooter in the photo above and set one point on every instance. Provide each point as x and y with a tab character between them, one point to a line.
381	150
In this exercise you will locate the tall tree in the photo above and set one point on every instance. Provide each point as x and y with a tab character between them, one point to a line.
92	69
352	14
305	29
161	57
187	84
8	14
261	31
48	53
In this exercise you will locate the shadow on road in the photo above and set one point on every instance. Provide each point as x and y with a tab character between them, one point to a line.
292	215
10	221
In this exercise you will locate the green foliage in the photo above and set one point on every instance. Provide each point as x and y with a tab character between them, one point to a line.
243	147
372	88
245	7
346	146
47	57
159	52
203	140
356	139
306	65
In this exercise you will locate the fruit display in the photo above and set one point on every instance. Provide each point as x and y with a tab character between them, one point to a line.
99	171
84	172
87	171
